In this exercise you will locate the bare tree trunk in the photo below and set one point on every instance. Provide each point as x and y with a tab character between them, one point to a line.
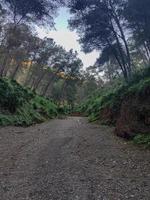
116	55
49	83
4	65
39	79
124	67
7	67
16	70
28	80
47	87
143	56
147	50
30	73
116	19
32	84
125	43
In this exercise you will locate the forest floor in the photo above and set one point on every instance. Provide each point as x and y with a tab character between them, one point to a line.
70	159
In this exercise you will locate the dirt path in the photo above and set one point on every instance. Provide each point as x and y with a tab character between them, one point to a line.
71	160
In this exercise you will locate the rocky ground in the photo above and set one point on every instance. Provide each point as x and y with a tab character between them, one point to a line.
70	159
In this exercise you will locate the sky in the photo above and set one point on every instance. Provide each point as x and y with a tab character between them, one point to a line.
66	38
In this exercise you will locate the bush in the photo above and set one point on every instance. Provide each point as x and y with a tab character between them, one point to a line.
140	74
12	95
142	139
112	97
19	106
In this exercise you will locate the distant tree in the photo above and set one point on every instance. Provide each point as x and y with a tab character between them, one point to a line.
70	92
89	83
15	41
66	62
57	92
46	54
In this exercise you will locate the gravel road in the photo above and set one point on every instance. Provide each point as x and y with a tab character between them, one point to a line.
70	159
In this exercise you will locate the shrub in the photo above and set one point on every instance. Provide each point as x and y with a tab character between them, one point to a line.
142	139
19	106
113	96
12	95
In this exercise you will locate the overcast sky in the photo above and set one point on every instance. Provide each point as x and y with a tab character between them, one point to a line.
68	39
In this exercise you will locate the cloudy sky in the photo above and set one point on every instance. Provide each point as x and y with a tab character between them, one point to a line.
66	38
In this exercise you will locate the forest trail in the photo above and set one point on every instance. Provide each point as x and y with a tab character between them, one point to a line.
70	159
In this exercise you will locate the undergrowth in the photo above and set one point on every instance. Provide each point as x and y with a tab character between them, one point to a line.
142	139
113	96
19	106
105	104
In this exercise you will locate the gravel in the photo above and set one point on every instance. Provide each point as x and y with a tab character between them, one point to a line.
70	159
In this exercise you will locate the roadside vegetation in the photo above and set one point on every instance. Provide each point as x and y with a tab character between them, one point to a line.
19	106
123	105
141	139
112	95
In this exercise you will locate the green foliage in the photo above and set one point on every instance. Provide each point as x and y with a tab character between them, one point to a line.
64	109
106	97
142	139
139	88
44	106
112	97
27	107
12	95
140	74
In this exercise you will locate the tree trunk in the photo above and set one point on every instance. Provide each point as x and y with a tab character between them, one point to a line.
115	55
49	83
30	73
4	64
16	70
39	81
125	43
124	67
147	50
116	19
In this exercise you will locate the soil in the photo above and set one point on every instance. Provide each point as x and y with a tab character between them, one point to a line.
70	159
134	117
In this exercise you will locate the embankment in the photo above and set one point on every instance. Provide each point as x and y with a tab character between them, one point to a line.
20	106
126	106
